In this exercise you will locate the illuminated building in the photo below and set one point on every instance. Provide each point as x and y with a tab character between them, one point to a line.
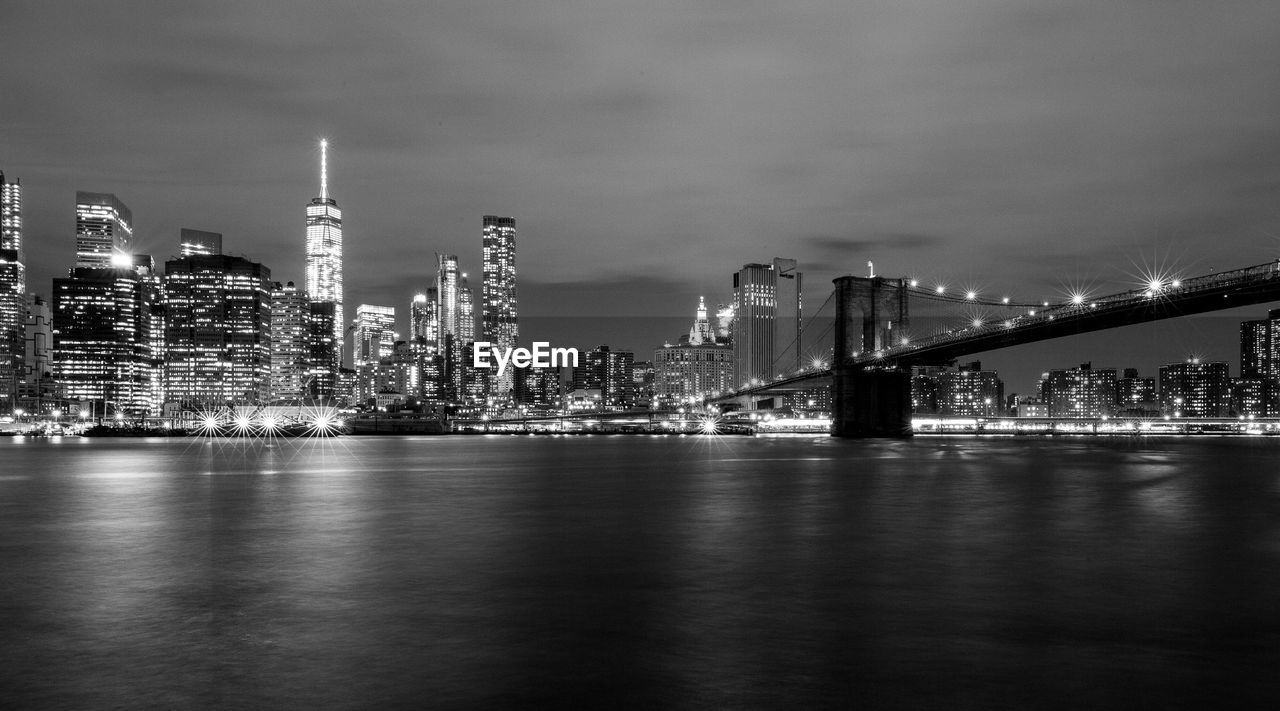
102	341
970	391
37	376
447	278
374	341
766	327
193	243
218	331
104	229
1195	388
695	368
13	290
324	253
924	389
1260	358
609	373
290	342
375	335
538	389
1136	396
1079	392
1255	349
498	308
322	374
466	312
424	319
424	331
1250	397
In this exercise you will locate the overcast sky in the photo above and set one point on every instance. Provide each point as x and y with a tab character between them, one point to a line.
649	148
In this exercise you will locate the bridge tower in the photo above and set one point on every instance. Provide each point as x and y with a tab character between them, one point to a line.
866	401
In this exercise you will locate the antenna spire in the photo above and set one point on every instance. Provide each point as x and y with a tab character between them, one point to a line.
324	169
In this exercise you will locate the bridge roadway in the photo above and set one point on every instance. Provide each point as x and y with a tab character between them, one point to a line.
1170	299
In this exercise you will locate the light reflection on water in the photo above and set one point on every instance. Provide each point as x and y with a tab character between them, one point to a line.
638	571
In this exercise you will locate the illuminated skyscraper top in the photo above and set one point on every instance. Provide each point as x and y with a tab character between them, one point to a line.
104	229
324	249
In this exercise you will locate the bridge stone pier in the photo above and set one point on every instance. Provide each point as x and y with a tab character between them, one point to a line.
868	401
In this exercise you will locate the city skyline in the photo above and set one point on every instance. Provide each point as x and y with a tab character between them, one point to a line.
1056	138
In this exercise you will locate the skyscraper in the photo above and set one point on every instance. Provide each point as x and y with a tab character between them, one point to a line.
501	323
217	334
466	312
766	328
104	229
13	289
198	242
103	344
290	342
324	252
447	287
375	336
322	376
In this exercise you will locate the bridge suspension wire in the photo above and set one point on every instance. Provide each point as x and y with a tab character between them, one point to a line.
932	295
796	342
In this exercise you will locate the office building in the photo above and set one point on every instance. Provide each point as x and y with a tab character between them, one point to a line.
290	342
104	230
324	252
697	367
323	371
375	335
1195	388
447	278
197	243
217	332
608	373
501	325
104	350
766	326
1260	359
466	330
13	291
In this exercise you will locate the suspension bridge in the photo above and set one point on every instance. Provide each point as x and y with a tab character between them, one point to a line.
870	368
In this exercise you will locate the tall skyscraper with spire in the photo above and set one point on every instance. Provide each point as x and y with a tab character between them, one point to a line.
324	252
501	324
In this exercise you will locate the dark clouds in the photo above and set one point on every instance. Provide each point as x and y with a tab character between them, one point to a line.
667	139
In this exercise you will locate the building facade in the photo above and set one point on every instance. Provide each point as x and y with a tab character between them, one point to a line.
767	320
193	243
700	365
970	392
1195	388
104	348
217	332
13	292
1079	392
499	312
104	230
290	342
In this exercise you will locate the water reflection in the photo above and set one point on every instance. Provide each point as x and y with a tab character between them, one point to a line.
637	571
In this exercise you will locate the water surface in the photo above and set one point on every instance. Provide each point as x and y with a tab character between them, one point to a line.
642	572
